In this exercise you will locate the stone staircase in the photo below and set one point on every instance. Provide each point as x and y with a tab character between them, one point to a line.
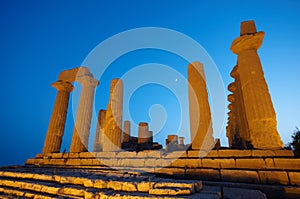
33	182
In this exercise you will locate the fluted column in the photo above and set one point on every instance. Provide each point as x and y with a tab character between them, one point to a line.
99	131
259	110
112	139
84	114
126	133
58	119
200	116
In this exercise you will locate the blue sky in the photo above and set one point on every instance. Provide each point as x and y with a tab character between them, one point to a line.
39	39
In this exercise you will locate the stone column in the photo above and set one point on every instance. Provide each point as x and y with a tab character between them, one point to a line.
200	117
144	136
112	139
259	110
99	131
126	133
84	114
58	119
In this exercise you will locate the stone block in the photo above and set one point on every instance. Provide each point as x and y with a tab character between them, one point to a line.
263	153
131	163
149	162
176	154
284	153
109	162
88	162
56	155
269	163
187	163
253	163
149	154
213	154
38	156
292	192
227	163
126	154
239	176
197	153
165	162
238	193
57	162
74	155
273	177
234	153
65	155
106	154
83	155
73	162
210	163
170	171
287	163
30	161
294	178
203	174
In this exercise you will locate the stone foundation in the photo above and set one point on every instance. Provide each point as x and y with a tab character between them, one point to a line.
249	166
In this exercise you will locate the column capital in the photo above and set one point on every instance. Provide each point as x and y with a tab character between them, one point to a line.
63	86
247	42
87	81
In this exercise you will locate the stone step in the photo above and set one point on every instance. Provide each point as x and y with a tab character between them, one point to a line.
140	184
46	190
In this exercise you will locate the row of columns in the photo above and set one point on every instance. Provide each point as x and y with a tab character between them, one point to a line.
84	112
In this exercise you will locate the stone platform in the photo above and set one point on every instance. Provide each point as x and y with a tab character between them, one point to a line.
266	170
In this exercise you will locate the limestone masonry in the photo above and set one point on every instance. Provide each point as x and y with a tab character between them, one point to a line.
255	165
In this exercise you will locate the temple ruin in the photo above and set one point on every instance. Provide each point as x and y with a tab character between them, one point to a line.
255	162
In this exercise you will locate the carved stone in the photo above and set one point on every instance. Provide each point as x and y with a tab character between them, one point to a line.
98	142
112	139
84	113
58	119
200	117
126	133
252	93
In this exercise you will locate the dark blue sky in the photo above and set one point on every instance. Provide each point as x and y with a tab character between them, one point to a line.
39	39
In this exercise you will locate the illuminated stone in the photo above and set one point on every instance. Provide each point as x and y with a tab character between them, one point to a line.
254	97
112	139
57	122
126	133
84	114
99	131
200	116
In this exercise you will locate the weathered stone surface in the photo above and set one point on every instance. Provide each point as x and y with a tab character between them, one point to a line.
234	153
260	114
149	154
131	162
84	114
263	153
269	163
187	163
204	174
210	163
227	163
176	154
273	177
144	135
126	132
200	116
99	131
253	163
237	193
56	126
284	153
287	163
239	176
294	178
112	139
